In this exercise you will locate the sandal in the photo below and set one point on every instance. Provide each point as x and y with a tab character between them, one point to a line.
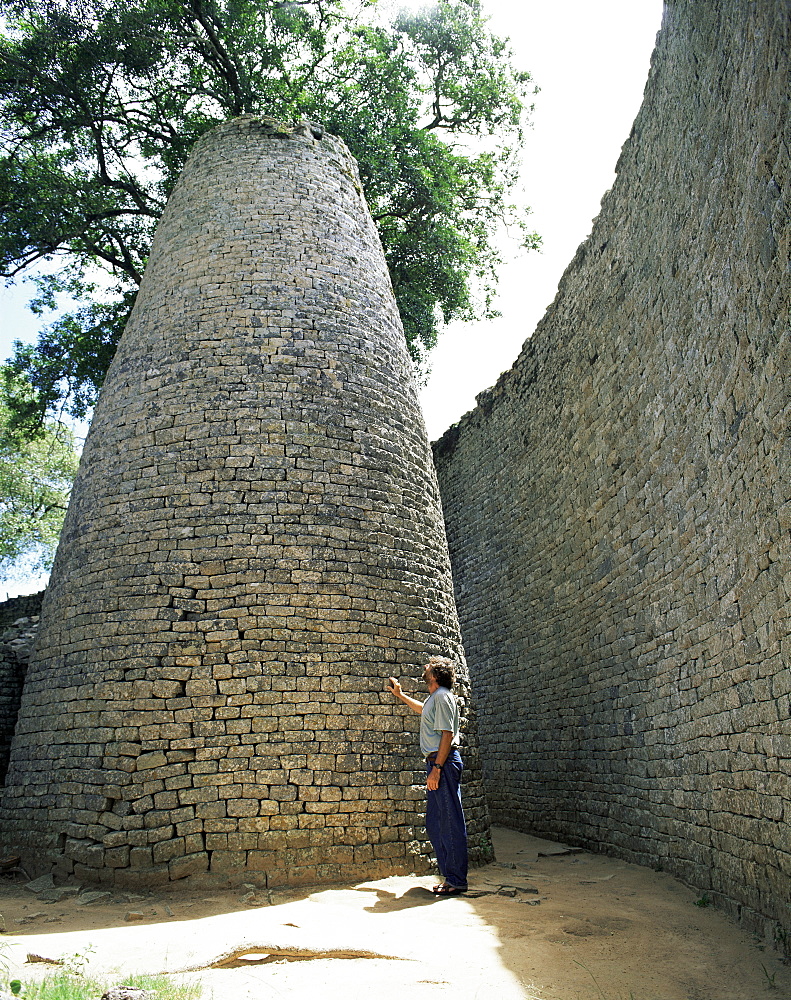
446	889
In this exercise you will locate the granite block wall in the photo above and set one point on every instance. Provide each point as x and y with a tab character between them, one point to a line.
18	622
253	544
20	607
16	646
618	505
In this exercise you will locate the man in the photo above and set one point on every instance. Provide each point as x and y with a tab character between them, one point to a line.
439	744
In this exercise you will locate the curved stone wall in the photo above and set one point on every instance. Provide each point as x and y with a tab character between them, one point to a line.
254	542
618	506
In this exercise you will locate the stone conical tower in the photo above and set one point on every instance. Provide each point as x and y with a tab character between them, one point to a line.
255	541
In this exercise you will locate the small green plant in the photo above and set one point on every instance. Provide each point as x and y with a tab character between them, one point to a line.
703	901
15	986
770	978
77	963
485	846
595	982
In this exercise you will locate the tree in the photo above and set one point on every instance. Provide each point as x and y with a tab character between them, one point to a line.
35	482
101	102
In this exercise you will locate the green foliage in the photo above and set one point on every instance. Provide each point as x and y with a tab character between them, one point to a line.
35	481
63	986
164	988
102	101
66	985
72	982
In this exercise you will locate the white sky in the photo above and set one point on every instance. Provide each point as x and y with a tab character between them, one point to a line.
590	58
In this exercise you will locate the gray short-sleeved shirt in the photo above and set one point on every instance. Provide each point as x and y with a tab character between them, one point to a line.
440	713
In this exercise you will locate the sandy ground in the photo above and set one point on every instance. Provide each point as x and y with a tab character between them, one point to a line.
544	923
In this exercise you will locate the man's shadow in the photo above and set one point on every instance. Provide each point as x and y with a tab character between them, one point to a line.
389	902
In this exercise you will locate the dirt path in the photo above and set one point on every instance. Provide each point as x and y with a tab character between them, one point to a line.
542	923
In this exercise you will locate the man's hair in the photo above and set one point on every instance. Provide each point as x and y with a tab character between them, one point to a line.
443	670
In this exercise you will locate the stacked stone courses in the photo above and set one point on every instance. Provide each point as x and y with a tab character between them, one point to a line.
18	624
16	644
618	506
254	542
19	607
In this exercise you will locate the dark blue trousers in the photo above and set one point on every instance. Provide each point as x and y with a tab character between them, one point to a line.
445	824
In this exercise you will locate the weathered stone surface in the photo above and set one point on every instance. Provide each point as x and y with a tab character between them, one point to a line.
254	543
40	884
617	504
127	992
87	898
58	893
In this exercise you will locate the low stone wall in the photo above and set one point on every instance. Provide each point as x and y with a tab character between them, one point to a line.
20	607
618	506
18	621
16	647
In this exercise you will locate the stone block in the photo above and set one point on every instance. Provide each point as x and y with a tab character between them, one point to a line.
188	864
149	760
223	862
